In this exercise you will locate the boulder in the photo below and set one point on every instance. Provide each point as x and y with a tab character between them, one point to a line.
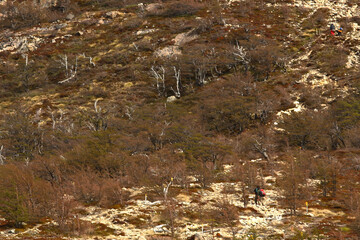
70	16
183	38
171	99
145	31
113	14
153	7
169	51
21	44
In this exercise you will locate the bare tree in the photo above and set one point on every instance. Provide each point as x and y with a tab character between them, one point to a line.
91	62
171	209
157	141
259	147
166	188
241	56
2	157
159	74
294	184
98	120
178	83
70	70
26	76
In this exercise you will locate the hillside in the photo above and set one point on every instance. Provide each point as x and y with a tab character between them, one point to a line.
125	119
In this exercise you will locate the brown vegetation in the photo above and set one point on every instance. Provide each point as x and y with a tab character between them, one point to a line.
89	141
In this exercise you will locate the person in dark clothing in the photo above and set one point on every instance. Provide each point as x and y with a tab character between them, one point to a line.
339	31
257	194
332	29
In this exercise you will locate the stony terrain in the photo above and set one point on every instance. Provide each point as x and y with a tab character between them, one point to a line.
95	79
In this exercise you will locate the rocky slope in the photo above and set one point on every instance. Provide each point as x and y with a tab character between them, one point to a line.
107	61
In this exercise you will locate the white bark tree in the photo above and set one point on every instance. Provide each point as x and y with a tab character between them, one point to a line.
178	83
159	74
2	157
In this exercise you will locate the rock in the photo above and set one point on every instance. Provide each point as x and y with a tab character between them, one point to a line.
118	221
156	203
21	44
12	231
153	7
184	38
59	26
113	14
70	16
145	31
171	99
169	51
128	85
79	33
161	228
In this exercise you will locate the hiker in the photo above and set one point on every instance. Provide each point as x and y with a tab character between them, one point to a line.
339	31
259	193
332	29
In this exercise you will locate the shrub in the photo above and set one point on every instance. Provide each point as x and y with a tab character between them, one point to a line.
29	13
25	139
91	188
310	98
353	136
347	112
12	200
229	116
22	197
177	8
307	129
317	19
330	59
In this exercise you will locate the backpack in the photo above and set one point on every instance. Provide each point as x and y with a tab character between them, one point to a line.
262	193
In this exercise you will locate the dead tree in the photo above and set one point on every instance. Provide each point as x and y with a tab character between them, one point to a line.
200	74
259	147
241	56
70	70
90	60
98	120
170	208
159	75
157	141
129	111
178	83
2	157
166	188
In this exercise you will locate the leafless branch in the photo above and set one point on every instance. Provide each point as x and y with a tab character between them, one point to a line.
2	157
159	75
258	146
178	83
241	55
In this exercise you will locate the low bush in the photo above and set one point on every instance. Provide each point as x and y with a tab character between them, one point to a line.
330	59
317	19
347	112
229	117
177	8
29	13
